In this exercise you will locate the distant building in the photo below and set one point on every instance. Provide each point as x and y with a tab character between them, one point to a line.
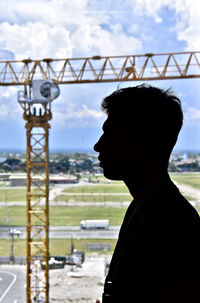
62	179
20	179
5	176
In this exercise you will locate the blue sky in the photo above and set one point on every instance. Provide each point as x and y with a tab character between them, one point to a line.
64	28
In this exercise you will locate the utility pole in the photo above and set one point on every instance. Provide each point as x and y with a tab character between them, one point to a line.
12	233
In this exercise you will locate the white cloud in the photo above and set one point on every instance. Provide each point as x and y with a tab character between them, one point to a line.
57	28
187	17
150	7
36	40
192	116
10	110
65	28
50	12
188	26
95	40
61	28
73	116
65	114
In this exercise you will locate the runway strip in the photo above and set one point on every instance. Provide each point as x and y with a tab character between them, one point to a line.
11	284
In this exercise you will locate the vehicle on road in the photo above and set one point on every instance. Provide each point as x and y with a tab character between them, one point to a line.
94	224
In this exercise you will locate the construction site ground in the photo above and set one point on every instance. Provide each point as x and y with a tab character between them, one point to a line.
79	284
68	285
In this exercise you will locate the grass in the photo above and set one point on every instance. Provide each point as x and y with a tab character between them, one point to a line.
65	215
191	179
62	246
73	215
12	215
19	194
56	246
95	198
19	247
188	197
13	194
2	184
101	188
197	207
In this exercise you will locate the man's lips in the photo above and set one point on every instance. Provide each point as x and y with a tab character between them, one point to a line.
101	164
100	161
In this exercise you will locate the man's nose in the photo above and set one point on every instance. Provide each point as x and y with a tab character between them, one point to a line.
97	146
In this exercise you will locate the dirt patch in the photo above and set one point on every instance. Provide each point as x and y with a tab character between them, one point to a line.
78	284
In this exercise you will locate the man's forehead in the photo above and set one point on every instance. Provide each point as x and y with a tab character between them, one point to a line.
115	122
121	124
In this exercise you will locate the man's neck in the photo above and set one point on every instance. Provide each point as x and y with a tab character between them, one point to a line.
138	186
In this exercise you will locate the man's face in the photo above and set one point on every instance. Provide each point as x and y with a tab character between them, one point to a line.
120	149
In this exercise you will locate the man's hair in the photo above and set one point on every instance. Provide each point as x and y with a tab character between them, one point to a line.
148	107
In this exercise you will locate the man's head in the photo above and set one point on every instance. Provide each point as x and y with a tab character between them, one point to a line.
143	122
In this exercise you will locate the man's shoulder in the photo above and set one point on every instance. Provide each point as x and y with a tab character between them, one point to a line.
168	210
177	207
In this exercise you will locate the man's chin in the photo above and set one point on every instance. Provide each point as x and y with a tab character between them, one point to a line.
111	175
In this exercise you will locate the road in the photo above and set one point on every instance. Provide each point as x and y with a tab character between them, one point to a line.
67	232
12	284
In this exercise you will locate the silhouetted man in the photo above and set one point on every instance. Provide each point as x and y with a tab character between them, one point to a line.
156	258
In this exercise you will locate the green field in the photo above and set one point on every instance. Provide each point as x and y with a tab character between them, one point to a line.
65	215
93	198
12	194
12	215
2	183
19	247
19	194
56	246
191	179
62	246
68	215
73	215
100	188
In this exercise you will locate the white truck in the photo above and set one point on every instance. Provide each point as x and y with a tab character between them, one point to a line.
94	224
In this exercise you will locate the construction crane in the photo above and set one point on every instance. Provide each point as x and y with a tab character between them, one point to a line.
35	101
97	69
40	79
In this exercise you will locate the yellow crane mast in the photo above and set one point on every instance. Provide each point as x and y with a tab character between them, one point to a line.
36	103
37	211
